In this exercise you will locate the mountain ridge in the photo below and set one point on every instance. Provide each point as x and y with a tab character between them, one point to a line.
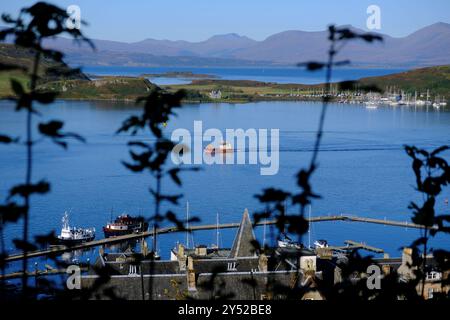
425	47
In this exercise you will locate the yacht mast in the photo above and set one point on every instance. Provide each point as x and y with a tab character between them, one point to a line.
264	234
309	227
154	239
217	230
187	224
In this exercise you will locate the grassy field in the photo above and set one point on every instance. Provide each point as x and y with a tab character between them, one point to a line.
5	82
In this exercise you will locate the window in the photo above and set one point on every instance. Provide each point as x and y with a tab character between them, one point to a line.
430	293
132	271
433	275
231	266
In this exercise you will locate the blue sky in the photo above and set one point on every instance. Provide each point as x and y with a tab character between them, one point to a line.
197	20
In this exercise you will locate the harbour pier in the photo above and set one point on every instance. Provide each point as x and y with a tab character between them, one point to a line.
55	250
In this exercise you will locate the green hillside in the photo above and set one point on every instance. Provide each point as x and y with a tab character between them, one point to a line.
434	79
49	70
106	88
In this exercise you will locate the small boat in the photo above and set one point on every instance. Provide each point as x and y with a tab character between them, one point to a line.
371	105
72	235
125	224
224	147
420	103
210	149
288	243
321	244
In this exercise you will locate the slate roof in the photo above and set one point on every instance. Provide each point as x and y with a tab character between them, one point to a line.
243	242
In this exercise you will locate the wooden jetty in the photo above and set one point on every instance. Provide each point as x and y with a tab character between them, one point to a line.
56	250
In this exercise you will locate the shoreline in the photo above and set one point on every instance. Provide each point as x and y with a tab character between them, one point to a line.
418	87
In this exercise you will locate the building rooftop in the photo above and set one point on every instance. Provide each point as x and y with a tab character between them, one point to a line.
243	245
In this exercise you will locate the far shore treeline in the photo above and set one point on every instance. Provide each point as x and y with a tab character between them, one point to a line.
78	86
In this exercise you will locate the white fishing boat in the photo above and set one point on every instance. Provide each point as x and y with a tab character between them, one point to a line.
74	235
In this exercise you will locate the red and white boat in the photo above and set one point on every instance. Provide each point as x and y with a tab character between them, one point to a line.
224	147
125	224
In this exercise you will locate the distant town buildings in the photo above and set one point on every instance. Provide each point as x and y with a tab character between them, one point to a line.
241	272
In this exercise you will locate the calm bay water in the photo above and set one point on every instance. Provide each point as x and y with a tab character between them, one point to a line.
269	74
363	168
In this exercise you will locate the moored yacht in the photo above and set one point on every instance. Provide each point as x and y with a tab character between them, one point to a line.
288	243
371	105
321	244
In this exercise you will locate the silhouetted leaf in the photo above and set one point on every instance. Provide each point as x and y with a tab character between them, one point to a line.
24	246
8	67
17	87
273	195
46	239
45	97
312	66
24	190
52	129
341	63
439	150
174	175
371	37
11	212
7	139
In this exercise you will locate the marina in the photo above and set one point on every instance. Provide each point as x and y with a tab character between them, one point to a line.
139	235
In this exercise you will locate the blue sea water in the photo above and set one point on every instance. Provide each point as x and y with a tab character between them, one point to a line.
363	168
269	74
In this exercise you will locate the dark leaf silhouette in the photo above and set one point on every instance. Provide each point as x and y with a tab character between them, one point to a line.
44	97
52	129
273	195
312	66
17	87
26	190
24	245
11	212
355	85
9	67
45	240
7	139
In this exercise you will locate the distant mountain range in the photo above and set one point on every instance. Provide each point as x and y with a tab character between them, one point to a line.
426	47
